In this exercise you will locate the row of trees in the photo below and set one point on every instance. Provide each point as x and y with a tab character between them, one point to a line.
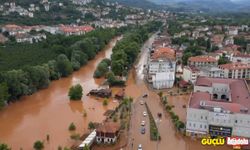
72	52
125	52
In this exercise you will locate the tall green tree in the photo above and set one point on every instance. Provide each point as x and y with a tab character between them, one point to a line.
17	82
4	95
63	65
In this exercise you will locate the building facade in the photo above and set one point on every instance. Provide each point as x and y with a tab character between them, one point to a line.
161	68
219	107
202	61
236	70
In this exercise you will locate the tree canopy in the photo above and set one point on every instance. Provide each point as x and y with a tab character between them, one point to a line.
75	92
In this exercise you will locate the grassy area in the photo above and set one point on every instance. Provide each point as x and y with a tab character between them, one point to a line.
154	133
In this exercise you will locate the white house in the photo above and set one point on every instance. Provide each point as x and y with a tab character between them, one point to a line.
107	133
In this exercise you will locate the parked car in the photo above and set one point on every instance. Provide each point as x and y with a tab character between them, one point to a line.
139	147
143	123
144	113
143	130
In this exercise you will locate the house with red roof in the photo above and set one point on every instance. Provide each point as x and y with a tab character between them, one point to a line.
202	61
74	30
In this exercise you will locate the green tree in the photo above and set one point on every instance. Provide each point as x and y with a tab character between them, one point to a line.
4	147
17	82
118	67
4	95
72	127
75	92
63	65
86	147
91	125
38	145
185	57
105	102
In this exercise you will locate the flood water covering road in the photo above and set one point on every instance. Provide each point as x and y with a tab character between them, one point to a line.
170	138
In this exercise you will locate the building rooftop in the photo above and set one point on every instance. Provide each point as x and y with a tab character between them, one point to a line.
242	55
239	92
108	127
234	66
164	52
202	59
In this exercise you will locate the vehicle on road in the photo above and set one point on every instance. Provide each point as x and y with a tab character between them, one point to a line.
143	123
144	113
139	147
143	130
141	102
145	95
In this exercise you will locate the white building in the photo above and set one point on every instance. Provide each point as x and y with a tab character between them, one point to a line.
219	107
243	58
190	73
202	61
163	80
233	31
161	68
236	70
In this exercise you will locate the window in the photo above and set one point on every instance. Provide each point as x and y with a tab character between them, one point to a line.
205	127
206	118
190	124
201	117
194	125
235	121
200	126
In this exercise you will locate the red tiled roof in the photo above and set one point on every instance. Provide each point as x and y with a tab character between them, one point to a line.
234	66
164	52
74	29
108	127
202	59
192	68
242	55
240	98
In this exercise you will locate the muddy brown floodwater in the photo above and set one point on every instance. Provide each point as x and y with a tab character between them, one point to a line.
49	111
170	138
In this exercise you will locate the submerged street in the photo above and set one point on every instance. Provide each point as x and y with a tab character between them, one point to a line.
170	138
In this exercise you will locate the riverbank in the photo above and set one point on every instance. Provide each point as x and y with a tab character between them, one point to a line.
49	111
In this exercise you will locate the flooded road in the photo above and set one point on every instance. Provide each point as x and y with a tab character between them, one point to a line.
170	138
49	111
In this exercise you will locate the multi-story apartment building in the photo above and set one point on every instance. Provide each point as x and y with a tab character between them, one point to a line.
236	70
190	73
219	107
202	61
161	68
243	58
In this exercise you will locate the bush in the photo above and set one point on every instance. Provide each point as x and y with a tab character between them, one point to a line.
105	102
75	136
72	127
38	145
91	125
4	147
75	92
